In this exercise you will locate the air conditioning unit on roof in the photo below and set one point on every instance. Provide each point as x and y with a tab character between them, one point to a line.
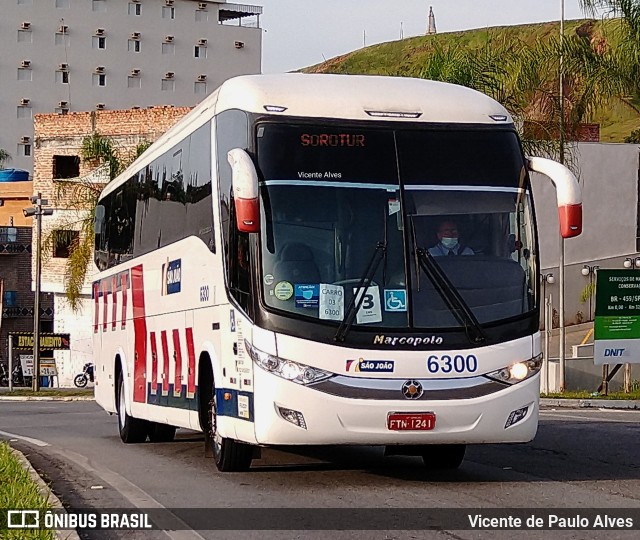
168	2
135	35
63	29
135	72
99	31
25	63
25	25
202	77
63	104
168	39
202	42
239	44
24	101
202	5
169	75
63	67
99	69
100	106
24	140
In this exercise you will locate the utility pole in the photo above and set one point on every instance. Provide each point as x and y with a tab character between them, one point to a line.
561	265
37	211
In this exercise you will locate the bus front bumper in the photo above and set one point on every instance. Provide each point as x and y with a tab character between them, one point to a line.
331	419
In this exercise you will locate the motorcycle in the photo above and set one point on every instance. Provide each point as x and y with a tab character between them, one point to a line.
83	378
4	376
18	378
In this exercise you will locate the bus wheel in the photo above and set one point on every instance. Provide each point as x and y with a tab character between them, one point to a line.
161	432
443	456
132	430
229	455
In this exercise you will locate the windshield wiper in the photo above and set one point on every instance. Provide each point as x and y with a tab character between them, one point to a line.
365	281
451	296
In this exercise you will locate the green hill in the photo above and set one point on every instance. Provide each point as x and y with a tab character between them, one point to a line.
406	57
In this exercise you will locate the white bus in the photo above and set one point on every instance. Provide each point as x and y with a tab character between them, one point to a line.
269	274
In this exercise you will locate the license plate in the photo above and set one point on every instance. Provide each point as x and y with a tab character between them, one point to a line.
411	421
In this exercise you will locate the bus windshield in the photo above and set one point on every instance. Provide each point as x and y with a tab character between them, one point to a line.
339	203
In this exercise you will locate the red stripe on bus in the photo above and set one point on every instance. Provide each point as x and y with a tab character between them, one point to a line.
154	363
140	335
96	306
114	301
105	295
177	382
124	278
191	378
165	363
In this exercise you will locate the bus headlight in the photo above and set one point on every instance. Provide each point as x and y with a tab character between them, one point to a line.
287	369
518	371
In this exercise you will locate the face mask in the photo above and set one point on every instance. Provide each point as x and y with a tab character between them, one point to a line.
449	243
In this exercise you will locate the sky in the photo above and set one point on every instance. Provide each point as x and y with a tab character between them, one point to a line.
301	33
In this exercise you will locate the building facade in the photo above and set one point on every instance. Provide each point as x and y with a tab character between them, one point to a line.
59	172
60	56
16	295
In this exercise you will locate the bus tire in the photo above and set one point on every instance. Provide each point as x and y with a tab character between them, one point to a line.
443	456
132	430
161	432
229	455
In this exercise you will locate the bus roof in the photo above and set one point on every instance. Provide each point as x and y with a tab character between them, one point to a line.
348	97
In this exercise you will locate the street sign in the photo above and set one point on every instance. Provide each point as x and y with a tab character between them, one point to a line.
47	366
617	320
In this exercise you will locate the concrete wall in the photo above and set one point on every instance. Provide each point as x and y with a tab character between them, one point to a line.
608	174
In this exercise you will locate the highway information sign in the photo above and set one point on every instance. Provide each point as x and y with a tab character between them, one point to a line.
617	321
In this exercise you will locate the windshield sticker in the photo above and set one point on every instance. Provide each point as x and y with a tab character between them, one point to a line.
268	279
395	300
307	296
331	302
283	290
394	206
370	366
370	309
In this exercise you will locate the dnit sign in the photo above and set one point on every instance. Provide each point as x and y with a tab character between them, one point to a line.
617	322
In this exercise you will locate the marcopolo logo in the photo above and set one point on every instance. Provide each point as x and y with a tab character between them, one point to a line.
614	352
414	341
370	366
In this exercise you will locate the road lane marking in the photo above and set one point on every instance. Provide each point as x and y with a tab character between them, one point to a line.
30	440
589	418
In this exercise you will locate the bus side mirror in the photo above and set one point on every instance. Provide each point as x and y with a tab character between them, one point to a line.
568	194
244	180
98	219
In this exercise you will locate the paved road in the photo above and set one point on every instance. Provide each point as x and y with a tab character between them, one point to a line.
580	459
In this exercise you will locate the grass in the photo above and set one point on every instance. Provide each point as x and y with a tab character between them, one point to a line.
27	392
18	490
586	394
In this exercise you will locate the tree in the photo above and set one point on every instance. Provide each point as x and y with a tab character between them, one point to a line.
4	156
82	196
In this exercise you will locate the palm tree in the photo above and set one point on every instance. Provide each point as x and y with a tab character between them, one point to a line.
4	156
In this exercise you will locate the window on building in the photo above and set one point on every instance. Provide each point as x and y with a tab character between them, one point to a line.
66	167
25	112
168	85
134	45
8	234
202	15
25	36
62	77
135	8
99	5
168	48
62	4
24	74
99	79
99	42
134	82
168	12
64	242
62	39
24	150
200	51
10	298
200	88
25	2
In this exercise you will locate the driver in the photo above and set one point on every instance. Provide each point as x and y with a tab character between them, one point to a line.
448	243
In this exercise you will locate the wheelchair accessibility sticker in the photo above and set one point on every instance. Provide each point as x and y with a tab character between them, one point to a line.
395	300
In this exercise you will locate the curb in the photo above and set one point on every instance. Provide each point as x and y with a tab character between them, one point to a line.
45	491
47	398
628	404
